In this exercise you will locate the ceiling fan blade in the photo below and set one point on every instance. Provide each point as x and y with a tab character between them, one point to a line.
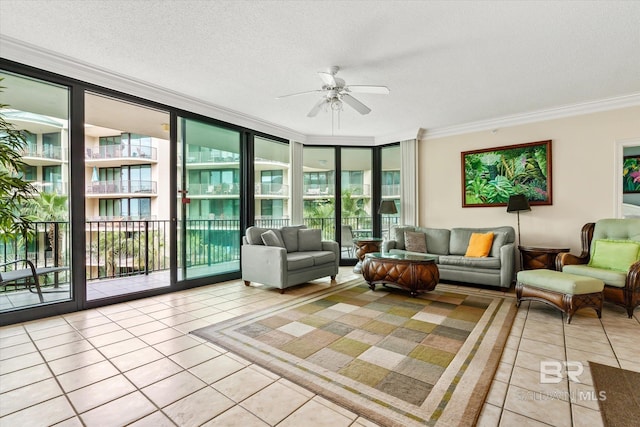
316	108
381	90
299	93
328	78
355	104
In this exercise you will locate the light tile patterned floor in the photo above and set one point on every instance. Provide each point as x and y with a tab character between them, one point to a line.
135	364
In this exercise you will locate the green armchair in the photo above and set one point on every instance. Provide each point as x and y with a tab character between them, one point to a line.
611	253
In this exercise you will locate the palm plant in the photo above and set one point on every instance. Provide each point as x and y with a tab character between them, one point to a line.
115	248
51	208
14	190
352	207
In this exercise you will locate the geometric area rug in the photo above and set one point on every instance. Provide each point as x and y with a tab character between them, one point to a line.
392	358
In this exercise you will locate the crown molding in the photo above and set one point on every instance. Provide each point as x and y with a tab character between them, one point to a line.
615	103
405	135
363	141
35	56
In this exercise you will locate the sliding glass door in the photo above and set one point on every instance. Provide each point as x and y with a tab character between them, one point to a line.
390	187
37	115
319	185
208	225
127	202
355	196
272	193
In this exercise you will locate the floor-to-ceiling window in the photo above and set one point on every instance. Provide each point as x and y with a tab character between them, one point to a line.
355	194
390	185
40	110
271	187
319	169
208	200
128	241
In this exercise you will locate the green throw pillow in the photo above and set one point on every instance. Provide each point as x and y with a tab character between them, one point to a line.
614	254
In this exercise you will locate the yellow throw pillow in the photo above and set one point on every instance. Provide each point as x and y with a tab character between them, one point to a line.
479	245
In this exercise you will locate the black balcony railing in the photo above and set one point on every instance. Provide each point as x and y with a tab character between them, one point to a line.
45	245
126	248
134	247
211	241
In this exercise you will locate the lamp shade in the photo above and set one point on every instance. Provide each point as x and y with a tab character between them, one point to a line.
517	203
387	207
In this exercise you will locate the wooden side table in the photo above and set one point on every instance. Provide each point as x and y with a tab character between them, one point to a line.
365	245
538	257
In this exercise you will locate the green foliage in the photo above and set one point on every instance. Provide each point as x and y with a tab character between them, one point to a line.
320	209
352	207
48	207
14	191
493	176
496	190
631	175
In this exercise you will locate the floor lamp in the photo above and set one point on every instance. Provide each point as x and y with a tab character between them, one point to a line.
387	207
518	203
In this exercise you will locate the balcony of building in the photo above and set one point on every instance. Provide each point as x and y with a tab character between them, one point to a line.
35	155
205	191
271	191
391	191
119	155
317	191
61	188
120	189
219	158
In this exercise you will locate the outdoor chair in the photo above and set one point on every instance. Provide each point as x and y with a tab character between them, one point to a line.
346	237
29	274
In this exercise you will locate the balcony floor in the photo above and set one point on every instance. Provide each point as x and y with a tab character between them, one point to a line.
11	298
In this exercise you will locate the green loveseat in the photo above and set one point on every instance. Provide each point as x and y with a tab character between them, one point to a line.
611	253
449	247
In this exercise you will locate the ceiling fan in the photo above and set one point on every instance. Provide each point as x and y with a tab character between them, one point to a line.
335	92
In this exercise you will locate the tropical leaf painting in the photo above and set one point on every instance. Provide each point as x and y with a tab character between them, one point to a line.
490	176
631	174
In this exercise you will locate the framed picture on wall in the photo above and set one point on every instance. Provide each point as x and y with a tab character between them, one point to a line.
631	174
490	176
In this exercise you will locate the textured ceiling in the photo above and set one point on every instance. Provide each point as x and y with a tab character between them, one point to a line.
446	63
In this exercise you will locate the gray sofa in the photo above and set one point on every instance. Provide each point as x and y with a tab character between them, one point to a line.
449	246
296	255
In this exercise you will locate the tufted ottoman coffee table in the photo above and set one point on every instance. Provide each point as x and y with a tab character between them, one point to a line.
415	273
567	292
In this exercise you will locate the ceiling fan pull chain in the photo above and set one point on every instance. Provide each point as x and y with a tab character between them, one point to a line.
332	115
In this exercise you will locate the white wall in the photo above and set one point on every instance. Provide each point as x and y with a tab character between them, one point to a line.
583	174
